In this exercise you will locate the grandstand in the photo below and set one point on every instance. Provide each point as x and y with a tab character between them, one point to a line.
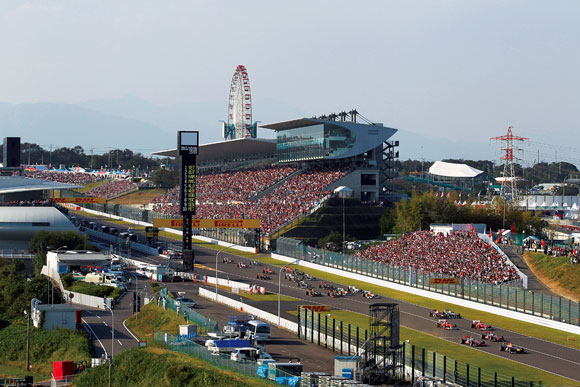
280	180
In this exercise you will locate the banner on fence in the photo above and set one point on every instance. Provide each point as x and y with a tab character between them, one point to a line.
209	223
444	281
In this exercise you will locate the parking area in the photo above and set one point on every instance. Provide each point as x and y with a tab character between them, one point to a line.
283	345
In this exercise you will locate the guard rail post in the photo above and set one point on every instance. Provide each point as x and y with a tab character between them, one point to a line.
444	369
326	331
341	337
413	364
348	339
423	362
434	363
319	329
333	333
312	326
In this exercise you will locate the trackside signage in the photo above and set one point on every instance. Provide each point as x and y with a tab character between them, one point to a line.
317	308
444	281
209	223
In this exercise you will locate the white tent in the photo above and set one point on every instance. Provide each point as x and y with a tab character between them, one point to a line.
343	192
441	168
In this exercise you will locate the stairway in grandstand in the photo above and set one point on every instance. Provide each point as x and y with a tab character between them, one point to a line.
274	186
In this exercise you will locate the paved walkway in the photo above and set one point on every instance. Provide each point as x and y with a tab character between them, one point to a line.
534	284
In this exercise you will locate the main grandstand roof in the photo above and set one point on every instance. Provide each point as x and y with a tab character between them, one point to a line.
11	184
228	149
441	168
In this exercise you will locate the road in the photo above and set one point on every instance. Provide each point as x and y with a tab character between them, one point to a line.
541	354
99	323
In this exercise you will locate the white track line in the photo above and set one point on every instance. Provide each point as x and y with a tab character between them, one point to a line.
95	335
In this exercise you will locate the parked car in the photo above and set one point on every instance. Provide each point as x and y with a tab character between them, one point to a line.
186	301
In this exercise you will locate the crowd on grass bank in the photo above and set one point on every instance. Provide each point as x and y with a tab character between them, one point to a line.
548	248
460	254
232	195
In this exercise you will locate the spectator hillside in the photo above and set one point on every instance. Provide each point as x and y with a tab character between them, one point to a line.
460	254
227	195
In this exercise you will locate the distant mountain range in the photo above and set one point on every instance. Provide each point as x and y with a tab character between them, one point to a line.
134	123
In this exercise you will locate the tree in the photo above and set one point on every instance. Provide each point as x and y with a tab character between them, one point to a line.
44	240
165	178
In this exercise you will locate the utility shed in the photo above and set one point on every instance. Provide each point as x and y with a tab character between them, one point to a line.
56	316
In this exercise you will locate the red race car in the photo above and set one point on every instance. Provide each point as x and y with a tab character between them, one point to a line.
481	326
446	325
472	341
487	335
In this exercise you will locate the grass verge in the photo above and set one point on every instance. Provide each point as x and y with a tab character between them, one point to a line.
153	318
557	270
533	330
459	352
267	297
45	347
155	366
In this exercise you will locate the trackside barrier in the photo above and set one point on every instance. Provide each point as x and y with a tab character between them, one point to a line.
231	284
77	298
512	302
269	317
223	361
347	339
221	237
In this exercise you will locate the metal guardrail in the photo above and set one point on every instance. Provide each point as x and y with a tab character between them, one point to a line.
319	329
204	324
502	296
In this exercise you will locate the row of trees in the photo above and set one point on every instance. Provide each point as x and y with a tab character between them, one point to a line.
124	158
421	210
538	173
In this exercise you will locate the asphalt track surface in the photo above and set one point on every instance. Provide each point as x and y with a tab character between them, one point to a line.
544	355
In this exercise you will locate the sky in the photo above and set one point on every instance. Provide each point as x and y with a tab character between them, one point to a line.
455	71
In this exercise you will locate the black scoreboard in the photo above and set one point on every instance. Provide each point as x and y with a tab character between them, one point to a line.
188	143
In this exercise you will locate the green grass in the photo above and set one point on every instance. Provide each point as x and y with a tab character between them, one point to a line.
95	290
453	350
45	347
544	333
153	318
267	297
558	269
155	366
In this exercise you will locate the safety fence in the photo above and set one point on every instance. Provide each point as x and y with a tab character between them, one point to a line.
351	340
502	296
241	237
204	324
223	361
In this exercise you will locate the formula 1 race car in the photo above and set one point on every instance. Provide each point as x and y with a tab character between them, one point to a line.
446	325
334	293
313	293
444	314
472	341
228	260
324	285
262	276
304	285
481	326
367	294
511	348
243	265
487	335
267	270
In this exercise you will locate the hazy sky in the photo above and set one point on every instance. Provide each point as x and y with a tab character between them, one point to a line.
460	70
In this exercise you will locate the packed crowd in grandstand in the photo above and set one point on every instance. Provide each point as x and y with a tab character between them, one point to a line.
78	178
112	189
230	195
461	254
26	203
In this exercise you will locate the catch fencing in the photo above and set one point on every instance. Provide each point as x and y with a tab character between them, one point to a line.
204	324
502	296
349	339
223	361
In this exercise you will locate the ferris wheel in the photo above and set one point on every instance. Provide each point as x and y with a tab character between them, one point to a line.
240	107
